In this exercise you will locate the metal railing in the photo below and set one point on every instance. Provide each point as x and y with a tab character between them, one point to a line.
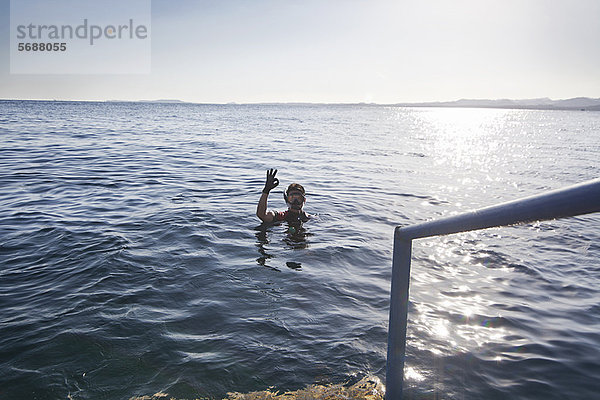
568	202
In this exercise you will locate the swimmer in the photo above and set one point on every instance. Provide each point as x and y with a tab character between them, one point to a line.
294	196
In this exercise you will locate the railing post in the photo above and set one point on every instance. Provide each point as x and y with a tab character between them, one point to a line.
568	202
398	316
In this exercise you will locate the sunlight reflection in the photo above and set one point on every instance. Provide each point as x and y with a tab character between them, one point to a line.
412	374
455	308
440	329
468	311
464	122
466	139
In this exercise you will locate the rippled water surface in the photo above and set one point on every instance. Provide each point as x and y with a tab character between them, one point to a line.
132	261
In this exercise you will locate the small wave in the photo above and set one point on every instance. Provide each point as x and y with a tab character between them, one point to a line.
492	259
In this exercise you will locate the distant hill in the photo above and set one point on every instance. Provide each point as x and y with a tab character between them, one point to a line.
542	103
577	103
161	101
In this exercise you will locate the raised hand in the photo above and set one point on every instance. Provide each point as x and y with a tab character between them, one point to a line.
271	182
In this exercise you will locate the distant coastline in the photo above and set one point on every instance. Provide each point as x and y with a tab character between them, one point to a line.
576	103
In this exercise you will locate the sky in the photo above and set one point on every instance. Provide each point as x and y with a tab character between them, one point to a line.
345	51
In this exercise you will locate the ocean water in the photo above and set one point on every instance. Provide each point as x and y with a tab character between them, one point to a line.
132	262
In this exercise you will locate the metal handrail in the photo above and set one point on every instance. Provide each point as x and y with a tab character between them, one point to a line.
568	202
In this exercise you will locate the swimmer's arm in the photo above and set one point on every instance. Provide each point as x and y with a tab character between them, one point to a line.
261	210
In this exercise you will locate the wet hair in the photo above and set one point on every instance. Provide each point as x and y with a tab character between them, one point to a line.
296	187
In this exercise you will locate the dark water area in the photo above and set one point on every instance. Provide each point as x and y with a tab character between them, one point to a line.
132	262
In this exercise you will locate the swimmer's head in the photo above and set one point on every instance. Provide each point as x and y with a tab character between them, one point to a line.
295	197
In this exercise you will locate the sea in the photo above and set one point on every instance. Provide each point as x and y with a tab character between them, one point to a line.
132	263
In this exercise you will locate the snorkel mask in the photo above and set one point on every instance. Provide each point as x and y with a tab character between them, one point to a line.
294	197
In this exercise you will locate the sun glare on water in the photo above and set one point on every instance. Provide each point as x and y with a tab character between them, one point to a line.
463	138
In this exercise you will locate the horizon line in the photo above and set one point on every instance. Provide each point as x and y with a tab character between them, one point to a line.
314	102
504	103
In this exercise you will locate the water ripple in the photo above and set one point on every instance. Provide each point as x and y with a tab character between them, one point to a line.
132	261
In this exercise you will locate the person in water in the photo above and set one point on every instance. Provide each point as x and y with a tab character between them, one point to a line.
295	197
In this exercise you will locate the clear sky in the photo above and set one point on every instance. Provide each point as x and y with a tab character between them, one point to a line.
379	51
